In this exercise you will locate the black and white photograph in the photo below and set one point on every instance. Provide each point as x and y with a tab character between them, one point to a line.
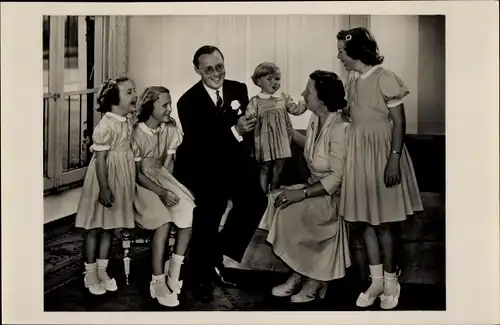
278	162
304	163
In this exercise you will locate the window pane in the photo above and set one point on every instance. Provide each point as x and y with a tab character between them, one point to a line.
71	43
74	112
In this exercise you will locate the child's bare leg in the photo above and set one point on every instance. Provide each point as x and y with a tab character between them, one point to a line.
182	241
105	243
90	244
159	242
386	236
158	287
374	261
102	261
181	246
277	170
91	279
265	170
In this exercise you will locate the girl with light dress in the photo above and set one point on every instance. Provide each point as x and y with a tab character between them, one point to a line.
109	184
273	129
161	201
379	187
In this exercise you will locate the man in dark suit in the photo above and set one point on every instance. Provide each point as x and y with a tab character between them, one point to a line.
213	161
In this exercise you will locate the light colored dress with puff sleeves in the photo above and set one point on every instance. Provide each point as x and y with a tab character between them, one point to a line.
112	134
151	148
309	236
272	133
365	198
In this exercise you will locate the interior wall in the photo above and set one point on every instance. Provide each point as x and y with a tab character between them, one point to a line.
161	49
432	75
397	38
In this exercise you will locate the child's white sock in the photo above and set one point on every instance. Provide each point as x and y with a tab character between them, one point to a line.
175	266
174	272
159	285
377	279
101	270
390	284
158	278
91	273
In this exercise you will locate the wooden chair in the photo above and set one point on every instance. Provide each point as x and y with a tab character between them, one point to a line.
138	237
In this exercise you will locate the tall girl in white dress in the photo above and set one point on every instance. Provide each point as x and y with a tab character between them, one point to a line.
379	186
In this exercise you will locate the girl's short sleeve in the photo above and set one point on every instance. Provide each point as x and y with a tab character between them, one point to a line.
392	88
251	108
101	137
174	138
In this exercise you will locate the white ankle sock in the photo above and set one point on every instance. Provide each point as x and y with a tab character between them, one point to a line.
390	276
175	266
102	265
377	279
91	273
158	277
90	266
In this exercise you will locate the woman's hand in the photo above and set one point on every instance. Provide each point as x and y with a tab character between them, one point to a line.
288	197
392	175
168	198
106	197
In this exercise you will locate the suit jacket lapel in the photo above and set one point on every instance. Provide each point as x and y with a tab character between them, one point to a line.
225	95
204	98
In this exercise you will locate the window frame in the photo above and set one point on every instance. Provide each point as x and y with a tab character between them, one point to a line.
56	178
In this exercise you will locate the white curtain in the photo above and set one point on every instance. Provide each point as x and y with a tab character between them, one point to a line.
161	49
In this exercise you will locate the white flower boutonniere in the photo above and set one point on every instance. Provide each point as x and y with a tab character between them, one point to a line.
236	106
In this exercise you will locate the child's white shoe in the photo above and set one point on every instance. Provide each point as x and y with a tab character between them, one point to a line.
91	281
107	283
392	290
159	291
376	289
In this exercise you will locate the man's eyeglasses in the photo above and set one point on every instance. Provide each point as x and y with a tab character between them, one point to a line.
210	70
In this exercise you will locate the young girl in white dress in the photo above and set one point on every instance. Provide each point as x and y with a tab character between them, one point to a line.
273	129
379	186
109	184
161	201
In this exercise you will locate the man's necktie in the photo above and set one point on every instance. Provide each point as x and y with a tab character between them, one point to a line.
219	100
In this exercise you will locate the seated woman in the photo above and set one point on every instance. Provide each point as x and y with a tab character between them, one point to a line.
305	230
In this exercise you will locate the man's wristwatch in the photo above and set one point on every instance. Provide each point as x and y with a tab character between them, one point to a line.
305	192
